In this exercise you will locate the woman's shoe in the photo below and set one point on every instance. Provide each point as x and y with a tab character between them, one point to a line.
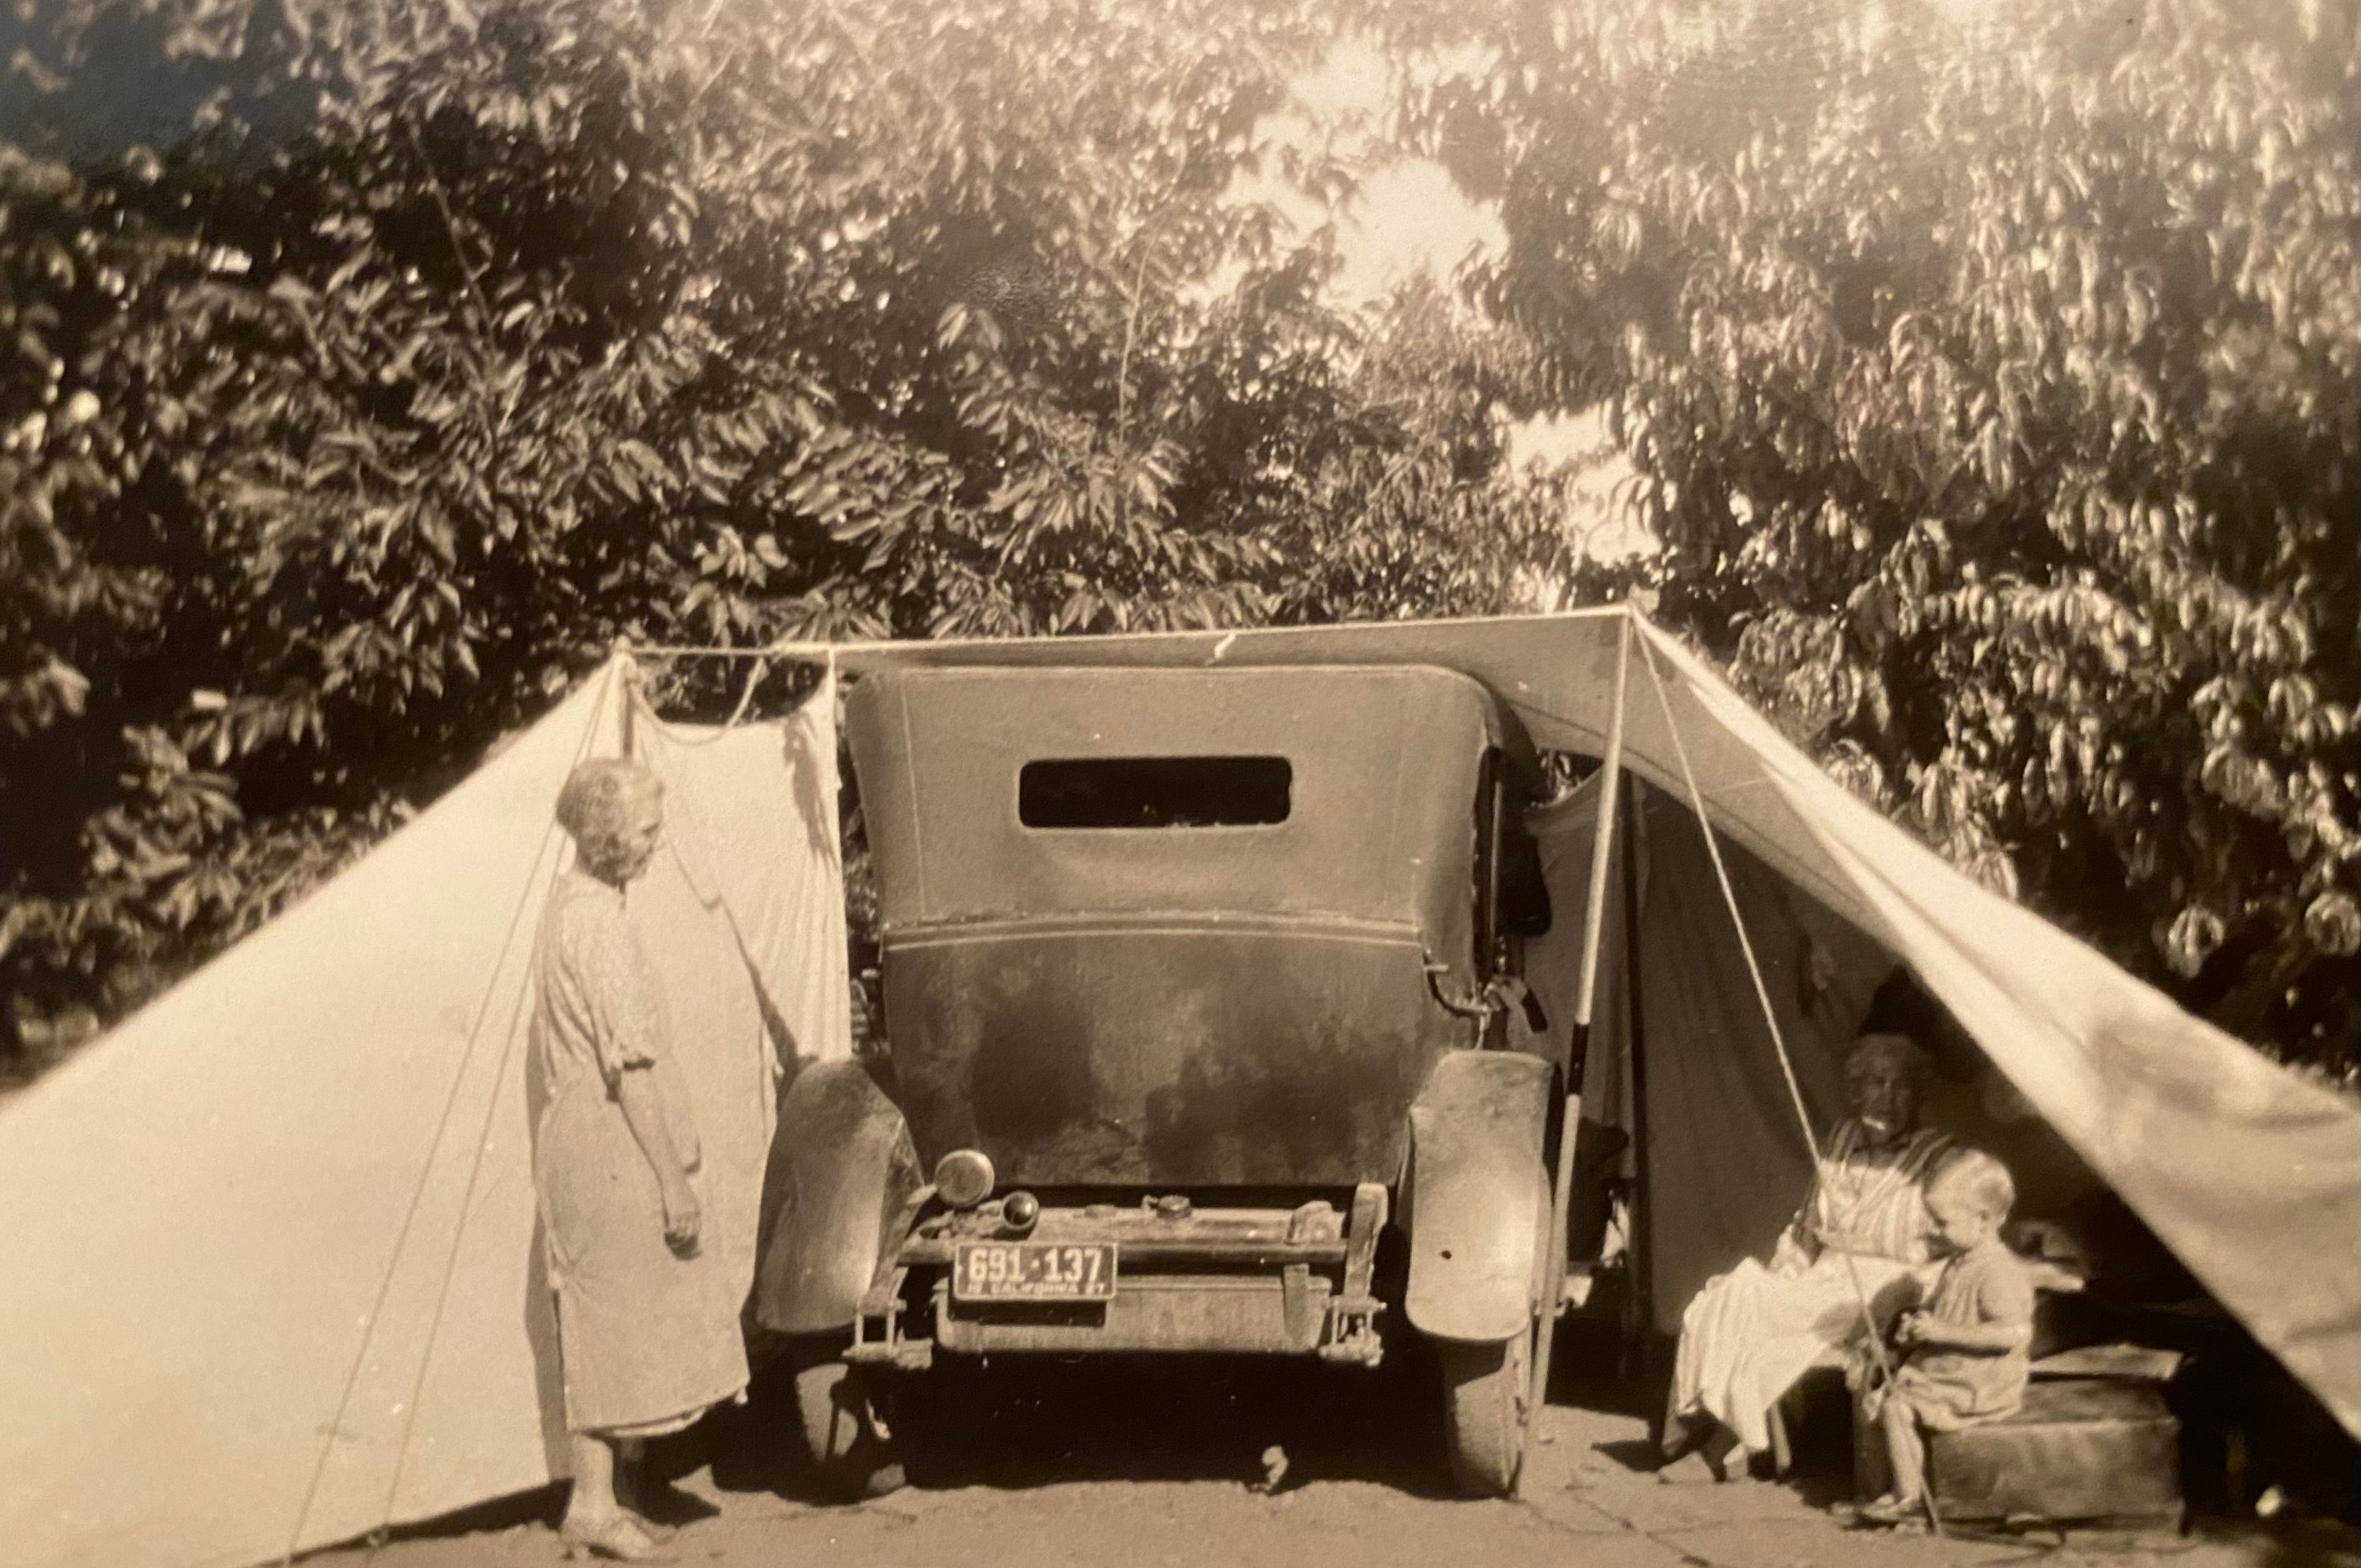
631	1498
659	1533
618	1540
1890	1509
1691	1469
1719	1458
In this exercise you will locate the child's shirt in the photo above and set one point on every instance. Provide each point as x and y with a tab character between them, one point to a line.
1986	1285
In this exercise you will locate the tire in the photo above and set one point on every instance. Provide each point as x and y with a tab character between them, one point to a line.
1486	1387
851	1458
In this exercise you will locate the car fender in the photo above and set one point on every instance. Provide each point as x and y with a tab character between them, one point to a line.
841	1163
1476	1199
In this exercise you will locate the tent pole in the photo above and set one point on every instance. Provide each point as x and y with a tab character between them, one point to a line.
1602	846
1871	1335
630	698
1640	1311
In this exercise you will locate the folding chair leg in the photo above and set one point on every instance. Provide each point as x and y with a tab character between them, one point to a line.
1782	1458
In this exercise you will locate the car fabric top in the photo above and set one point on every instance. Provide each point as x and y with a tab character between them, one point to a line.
1383	764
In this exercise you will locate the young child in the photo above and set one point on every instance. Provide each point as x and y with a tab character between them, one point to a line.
1965	1350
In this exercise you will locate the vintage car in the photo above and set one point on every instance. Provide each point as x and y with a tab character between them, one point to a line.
1193	986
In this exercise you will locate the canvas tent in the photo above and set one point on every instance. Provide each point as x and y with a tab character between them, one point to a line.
270	1276
1681	1062
2248	1172
276	1285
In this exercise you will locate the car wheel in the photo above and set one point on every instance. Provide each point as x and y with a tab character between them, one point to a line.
1486	1387
851	1457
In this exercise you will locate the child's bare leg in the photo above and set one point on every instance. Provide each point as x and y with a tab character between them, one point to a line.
1906	1450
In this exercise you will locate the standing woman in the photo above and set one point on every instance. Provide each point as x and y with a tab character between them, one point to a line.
647	1342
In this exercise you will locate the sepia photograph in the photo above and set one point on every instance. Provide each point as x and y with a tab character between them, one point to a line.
997	784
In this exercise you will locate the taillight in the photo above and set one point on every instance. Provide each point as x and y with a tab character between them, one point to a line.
963	1178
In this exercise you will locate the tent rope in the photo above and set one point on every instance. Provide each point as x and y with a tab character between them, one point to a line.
737	715
476	1171
451	1261
631	694
1870	1334
1729	896
418	1193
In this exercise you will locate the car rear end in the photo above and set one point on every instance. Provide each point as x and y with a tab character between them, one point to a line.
1167	957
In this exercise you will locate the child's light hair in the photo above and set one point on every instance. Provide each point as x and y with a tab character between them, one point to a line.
1984	1179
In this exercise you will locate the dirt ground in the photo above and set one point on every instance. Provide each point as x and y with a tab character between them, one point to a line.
1166	1465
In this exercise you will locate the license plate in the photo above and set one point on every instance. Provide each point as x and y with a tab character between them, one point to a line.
1033	1271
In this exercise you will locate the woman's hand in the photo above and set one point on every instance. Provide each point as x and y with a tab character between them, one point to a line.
641	1097
1910	1329
683	1217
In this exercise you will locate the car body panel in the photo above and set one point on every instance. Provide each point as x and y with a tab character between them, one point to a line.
1268	994
841	1165
1476	1204
1201	1005
1167	1051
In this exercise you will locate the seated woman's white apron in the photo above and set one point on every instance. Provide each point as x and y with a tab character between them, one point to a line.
1862	1236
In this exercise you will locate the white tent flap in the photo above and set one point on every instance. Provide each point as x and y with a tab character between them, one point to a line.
2251	1173
270	1273
213	1321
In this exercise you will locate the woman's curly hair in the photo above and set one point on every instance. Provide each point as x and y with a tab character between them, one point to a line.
595	807
1898	1048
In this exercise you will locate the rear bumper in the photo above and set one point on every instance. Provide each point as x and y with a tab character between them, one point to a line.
1238	1281
1286	1313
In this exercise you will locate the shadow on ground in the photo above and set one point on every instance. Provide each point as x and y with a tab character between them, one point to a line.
1036	1421
1025	1422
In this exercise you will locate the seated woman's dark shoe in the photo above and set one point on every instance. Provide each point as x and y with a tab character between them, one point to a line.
1690	1469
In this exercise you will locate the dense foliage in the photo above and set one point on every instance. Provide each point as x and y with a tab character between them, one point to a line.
458	343
1989	369
367	367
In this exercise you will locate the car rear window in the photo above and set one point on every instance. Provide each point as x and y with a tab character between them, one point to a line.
1154	792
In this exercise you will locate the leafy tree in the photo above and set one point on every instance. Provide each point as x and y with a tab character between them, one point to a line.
431	349
1990	375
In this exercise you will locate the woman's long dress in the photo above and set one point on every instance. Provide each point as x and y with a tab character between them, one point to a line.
1750	1334
647	1340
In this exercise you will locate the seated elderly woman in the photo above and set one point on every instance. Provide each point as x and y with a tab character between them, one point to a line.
1863	1234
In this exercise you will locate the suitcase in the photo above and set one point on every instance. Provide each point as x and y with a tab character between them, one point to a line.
2079	1449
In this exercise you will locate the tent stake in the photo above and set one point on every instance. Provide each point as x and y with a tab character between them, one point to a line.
1602	847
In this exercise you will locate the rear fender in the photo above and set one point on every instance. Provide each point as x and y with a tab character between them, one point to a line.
841	1163
1476	1200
